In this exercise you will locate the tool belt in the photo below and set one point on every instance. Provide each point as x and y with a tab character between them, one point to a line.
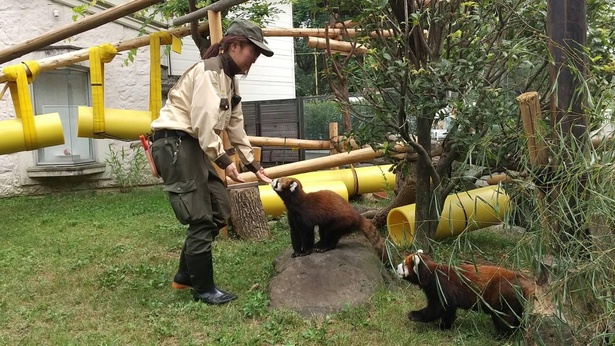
159	134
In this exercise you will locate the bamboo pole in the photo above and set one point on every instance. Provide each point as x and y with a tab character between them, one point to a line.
72	29
217	6
342	46
365	154
529	104
71	58
288	142
319	32
346	23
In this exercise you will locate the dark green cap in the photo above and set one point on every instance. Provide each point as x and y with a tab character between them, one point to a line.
251	31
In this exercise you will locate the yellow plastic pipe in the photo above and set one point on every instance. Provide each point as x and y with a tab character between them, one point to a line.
464	211
273	205
357	180
119	123
48	129
26	131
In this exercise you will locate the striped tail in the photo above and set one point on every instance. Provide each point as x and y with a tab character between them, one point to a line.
371	233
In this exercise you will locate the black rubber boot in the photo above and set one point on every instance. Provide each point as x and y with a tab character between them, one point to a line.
181	281
202	277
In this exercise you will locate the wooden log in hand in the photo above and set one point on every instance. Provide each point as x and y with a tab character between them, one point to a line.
247	213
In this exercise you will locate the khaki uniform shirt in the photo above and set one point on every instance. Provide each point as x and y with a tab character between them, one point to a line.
196	106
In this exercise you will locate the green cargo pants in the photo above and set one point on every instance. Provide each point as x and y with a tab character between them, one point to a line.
196	192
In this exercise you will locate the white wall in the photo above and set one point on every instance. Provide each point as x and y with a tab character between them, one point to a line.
269	78
126	86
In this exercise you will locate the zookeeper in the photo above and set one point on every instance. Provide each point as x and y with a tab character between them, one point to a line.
186	139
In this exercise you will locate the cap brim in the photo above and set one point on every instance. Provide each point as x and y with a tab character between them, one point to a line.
264	49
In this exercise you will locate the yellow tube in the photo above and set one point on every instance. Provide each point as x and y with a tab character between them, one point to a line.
357	180
119	123
48	128
273	205
464	211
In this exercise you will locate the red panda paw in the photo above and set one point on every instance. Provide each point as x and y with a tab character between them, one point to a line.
415	316
301	254
320	248
444	326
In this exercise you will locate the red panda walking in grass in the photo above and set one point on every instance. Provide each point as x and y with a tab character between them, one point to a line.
333	215
496	291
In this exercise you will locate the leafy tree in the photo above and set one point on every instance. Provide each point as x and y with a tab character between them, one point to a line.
472	56
477	57
309	62
259	11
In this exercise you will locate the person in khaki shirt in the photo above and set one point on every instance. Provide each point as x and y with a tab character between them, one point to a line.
186	139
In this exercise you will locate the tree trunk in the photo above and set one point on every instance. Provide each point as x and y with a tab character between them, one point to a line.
426	220
567	29
247	213
405	195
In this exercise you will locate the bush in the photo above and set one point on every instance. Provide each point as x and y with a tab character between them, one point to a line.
317	116
127	167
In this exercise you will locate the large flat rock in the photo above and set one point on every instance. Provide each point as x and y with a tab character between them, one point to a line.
322	283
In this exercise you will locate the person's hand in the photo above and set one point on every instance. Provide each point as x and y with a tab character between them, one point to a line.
231	172
262	176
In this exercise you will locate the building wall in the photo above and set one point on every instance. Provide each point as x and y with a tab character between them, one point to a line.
126	85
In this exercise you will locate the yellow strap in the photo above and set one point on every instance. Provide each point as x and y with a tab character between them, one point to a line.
155	82
107	52
176	45
98	91
99	55
35	69
157	39
166	38
17	80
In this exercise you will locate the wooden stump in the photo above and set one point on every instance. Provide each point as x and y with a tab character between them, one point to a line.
247	213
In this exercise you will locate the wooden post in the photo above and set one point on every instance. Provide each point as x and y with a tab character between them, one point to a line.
215	26
333	133
247	213
257	154
529	104
72	29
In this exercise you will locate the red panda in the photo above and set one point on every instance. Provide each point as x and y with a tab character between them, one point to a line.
333	215
496	291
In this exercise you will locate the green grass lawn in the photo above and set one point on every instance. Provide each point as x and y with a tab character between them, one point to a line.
94	268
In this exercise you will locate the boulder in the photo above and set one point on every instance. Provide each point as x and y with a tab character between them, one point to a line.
323	283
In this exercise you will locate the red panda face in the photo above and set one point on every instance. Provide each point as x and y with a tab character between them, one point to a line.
409	268
285	184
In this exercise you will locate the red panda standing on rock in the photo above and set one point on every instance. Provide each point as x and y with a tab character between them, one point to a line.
496	291
333	215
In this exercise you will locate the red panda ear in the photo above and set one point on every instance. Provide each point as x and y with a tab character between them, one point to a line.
293	186
416	259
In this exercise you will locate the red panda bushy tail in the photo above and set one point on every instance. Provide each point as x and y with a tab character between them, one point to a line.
371	233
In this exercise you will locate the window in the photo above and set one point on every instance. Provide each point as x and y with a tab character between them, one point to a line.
62	91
